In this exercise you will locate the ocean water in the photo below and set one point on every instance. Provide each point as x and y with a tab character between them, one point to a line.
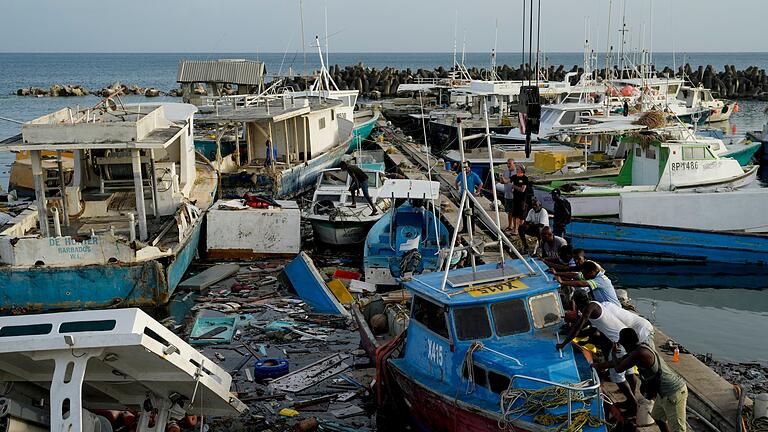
723	311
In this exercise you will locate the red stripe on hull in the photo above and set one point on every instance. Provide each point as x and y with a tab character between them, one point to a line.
439	414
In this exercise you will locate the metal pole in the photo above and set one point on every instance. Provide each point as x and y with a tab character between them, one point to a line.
138	186
37	174
453	242
153	183
465	190
63	186
493	174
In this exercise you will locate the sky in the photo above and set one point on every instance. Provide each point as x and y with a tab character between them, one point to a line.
374	25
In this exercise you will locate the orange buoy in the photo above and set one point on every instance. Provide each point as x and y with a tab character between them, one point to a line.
735	107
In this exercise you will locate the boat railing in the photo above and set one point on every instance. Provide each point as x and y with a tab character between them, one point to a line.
592	384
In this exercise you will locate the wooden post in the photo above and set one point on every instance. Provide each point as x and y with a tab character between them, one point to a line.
272	146
296	139
138	186
237	144
287	145
306	132
37	174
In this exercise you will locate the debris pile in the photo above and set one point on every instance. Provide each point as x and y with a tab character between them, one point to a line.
752	377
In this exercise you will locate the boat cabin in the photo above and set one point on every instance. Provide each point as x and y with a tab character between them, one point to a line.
488	334
288	139
200	78
134	181
333	187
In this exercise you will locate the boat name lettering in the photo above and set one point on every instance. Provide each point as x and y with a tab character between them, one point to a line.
434	352
72	247
689	165
497	288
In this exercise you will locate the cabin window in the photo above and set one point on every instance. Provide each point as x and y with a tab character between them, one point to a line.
472	323
479	374
430	316
545	310
568	118
672	90
638	152
497	382
691	153
321	123
334	178
510	317
584	117
650	153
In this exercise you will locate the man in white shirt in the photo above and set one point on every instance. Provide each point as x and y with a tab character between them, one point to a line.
536	219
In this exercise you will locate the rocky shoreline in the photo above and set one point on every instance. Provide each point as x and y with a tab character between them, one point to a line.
751	376
750	83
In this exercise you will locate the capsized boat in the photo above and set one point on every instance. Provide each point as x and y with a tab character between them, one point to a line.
334	220
478	354
124	229
407	232
652	164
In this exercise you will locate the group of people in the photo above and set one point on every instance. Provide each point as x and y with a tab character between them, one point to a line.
625	339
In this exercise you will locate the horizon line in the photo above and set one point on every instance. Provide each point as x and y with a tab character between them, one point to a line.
362	52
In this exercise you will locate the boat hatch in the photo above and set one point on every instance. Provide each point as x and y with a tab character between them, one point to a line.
407	189
482	277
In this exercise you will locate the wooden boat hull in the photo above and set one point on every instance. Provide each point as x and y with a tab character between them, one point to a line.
607	240
144	284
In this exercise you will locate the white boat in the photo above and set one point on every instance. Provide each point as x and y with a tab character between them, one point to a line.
555	123
60	369
652	165
720	110
122	230
334	220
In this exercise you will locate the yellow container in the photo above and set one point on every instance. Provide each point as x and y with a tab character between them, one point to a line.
548	161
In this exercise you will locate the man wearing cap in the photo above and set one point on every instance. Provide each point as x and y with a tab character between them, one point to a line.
536	219
562	216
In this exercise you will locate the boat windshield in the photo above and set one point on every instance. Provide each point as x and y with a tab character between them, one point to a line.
545	310
510	317
472	323
430	315
334	178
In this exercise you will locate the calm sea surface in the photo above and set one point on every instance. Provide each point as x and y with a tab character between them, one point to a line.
719	310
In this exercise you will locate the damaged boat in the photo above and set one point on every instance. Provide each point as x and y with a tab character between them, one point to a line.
123	228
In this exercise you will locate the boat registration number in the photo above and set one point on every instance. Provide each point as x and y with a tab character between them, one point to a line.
690	165
507	286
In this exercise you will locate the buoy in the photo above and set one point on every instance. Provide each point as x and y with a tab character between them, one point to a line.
735	107
270	368
676	355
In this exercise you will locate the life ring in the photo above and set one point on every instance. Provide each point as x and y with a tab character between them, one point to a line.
270	368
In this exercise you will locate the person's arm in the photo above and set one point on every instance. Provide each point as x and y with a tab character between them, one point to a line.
620	365
569	275
576	328
572	283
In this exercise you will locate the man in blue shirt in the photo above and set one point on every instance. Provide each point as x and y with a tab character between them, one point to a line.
594	280
474	182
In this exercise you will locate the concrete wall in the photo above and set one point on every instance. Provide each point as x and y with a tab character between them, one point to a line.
244	233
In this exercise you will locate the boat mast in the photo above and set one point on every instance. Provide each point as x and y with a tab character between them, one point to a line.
303	42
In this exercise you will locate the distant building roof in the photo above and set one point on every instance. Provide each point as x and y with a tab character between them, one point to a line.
234	71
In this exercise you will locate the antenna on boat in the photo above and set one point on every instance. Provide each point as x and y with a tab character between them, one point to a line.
455	30
429	167
327	51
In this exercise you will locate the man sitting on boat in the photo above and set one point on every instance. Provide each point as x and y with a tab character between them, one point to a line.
659	381
550	243
535	221
359	181
602	317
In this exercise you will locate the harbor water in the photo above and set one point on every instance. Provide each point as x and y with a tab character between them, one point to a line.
723	311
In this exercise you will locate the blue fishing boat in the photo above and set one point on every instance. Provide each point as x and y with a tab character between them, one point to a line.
391	243
479	354
303	277
613	240
89	242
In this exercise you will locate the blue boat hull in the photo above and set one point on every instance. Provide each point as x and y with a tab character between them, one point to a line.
362	132
144	284
629	242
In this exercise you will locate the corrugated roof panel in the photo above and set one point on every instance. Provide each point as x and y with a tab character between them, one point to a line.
234	71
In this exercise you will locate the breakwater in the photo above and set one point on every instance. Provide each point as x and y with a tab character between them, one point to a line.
748	83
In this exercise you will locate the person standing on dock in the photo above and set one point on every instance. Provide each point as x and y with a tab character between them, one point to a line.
509	194
520	192
659	382
359	181
474	182
593	278
534	223
562	216
603	318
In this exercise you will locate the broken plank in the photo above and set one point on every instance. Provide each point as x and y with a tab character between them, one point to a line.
209	277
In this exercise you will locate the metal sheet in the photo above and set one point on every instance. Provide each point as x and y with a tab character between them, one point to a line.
235	71
418	189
